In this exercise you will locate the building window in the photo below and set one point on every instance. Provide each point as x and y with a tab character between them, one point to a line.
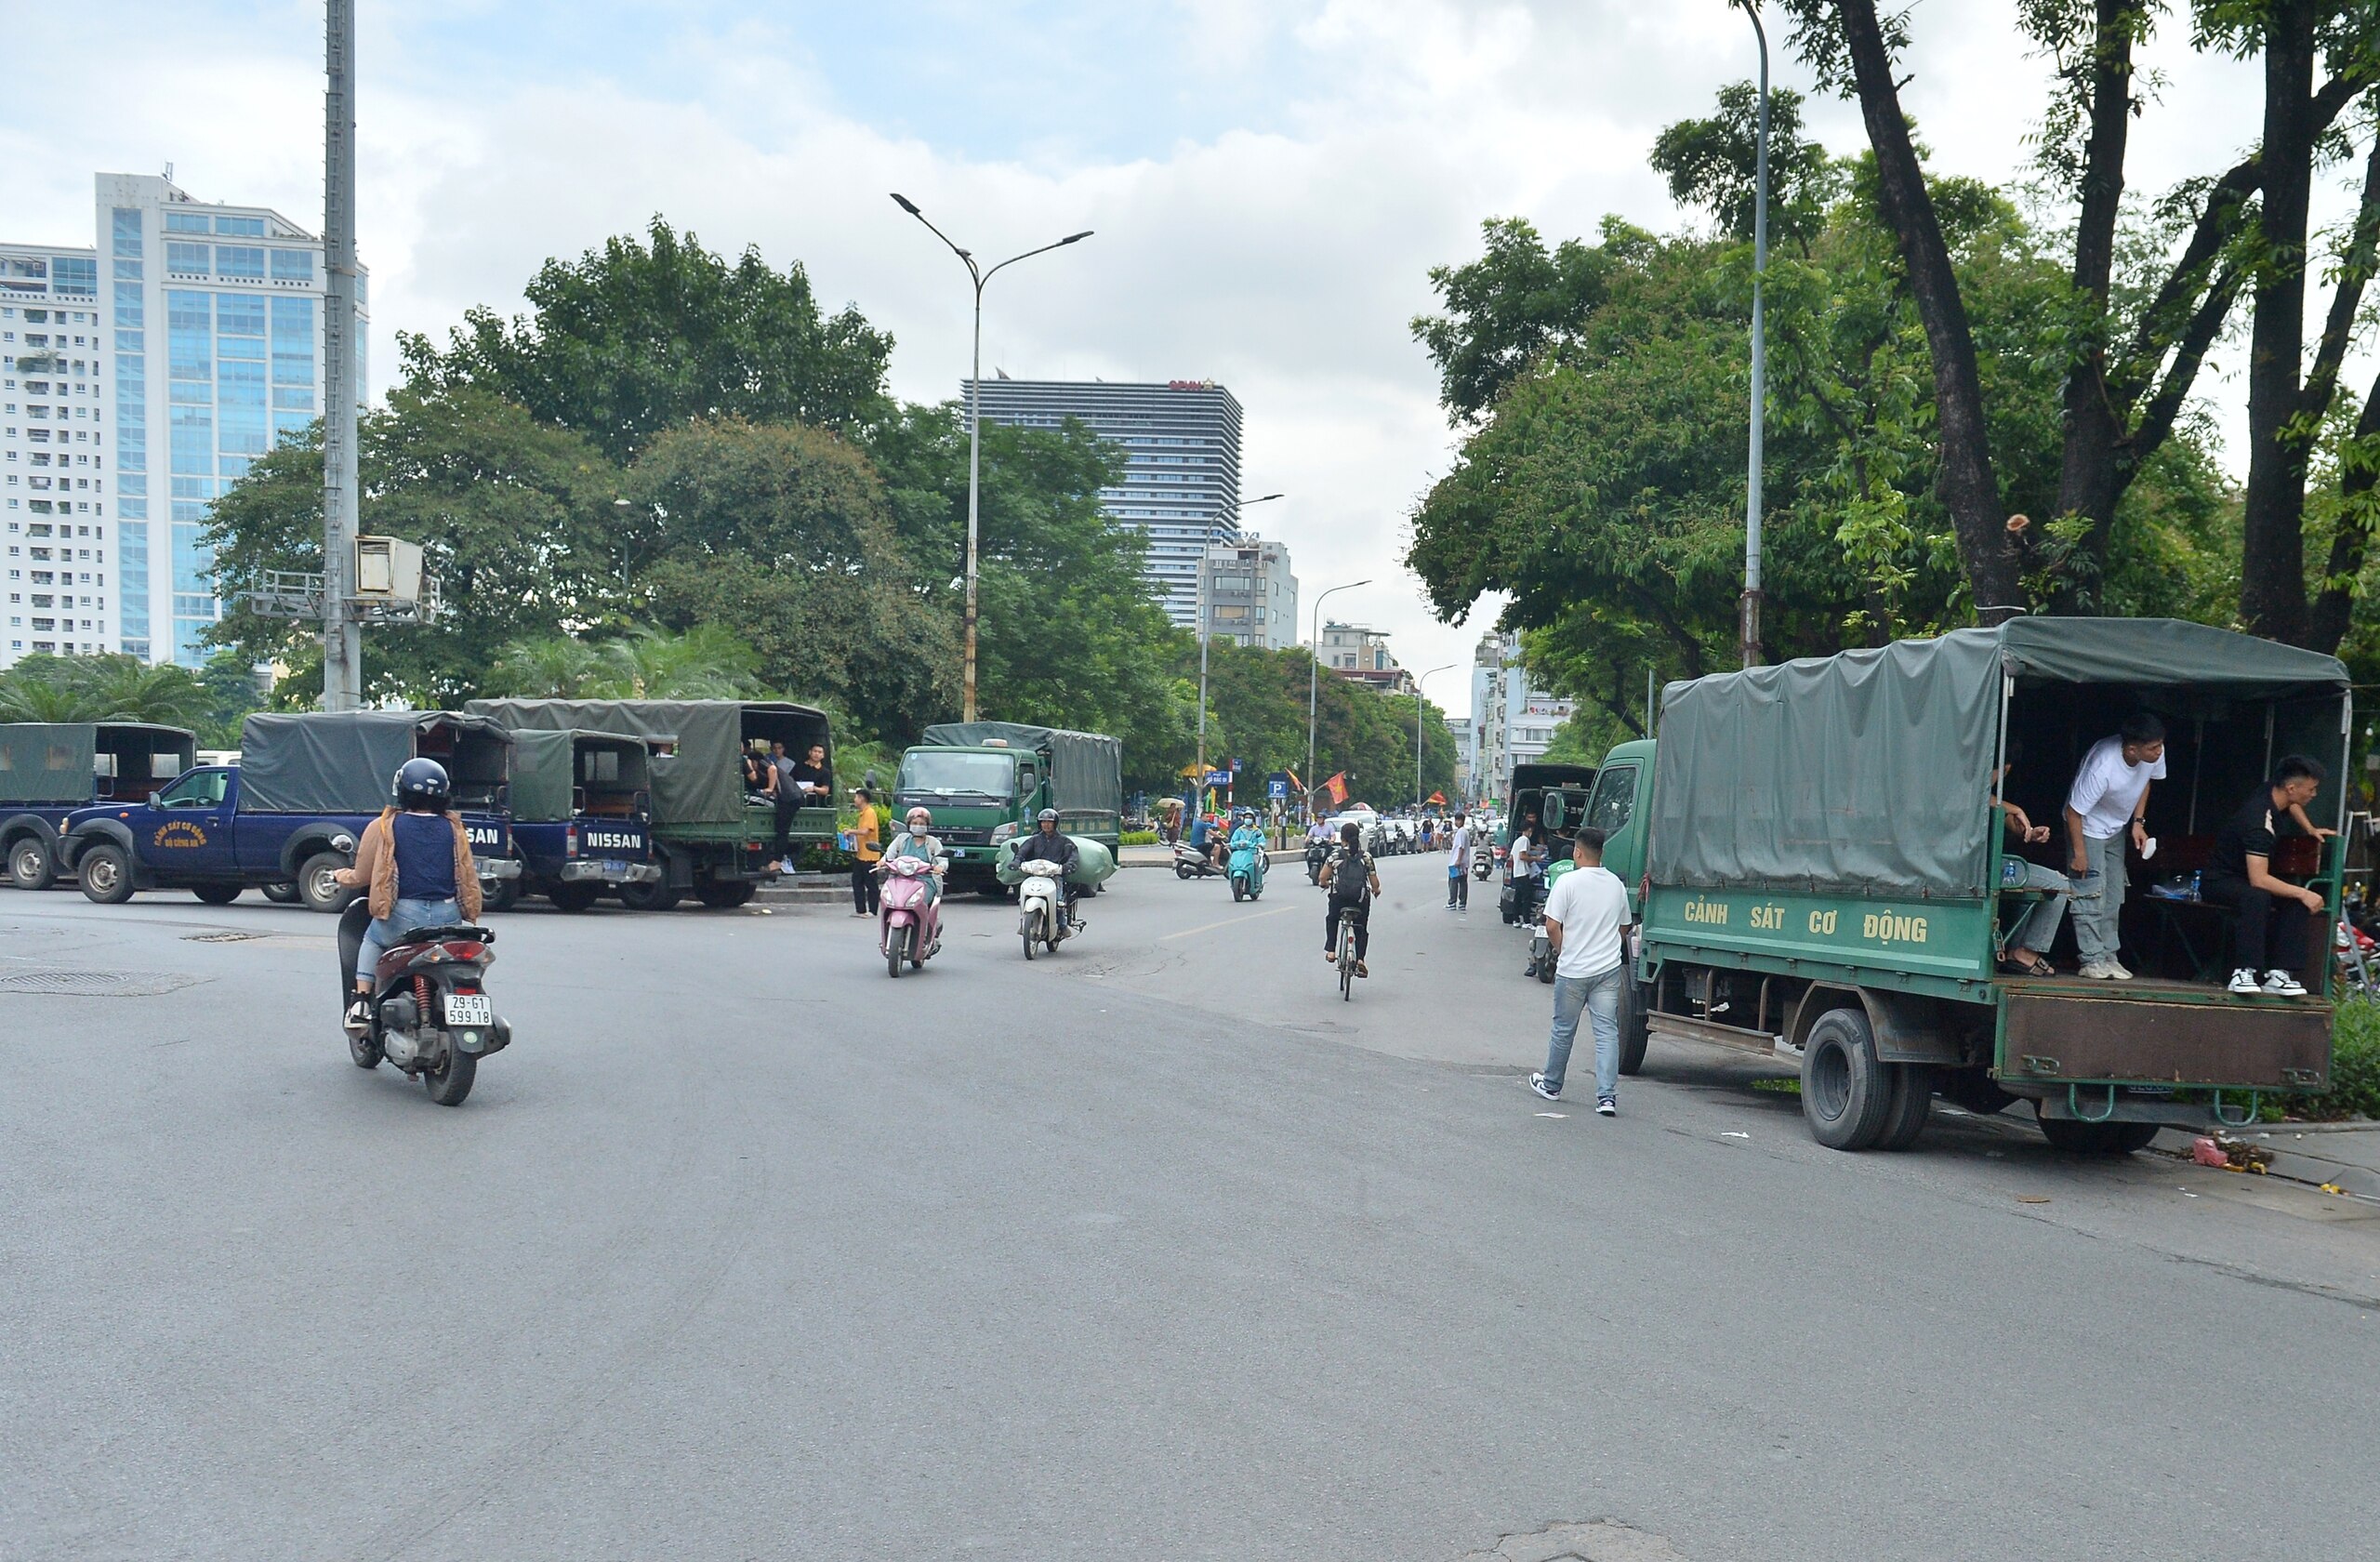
187	257
250	227
186	223
293	265
239	260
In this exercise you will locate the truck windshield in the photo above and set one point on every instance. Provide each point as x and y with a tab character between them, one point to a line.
959	775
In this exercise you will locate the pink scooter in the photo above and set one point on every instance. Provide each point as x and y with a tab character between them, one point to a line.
908	918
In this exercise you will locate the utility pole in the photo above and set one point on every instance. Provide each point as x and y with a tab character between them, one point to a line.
342	638
1199	787
1752	598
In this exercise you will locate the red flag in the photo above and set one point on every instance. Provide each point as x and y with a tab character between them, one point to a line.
1336	788
1438	797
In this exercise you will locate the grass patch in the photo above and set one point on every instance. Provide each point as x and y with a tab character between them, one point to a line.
2355	1069
1140	837
1778	1087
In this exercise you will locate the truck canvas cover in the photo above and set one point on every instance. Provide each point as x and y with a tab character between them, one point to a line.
545	770
1867	773
345	762
700	781
1086	769
55	761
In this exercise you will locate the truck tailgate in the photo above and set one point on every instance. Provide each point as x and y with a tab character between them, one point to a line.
2273	1044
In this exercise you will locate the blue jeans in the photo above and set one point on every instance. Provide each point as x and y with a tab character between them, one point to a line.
402	917
2098	898
1599	996
2037	929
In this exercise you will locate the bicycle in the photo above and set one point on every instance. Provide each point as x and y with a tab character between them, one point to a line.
1347	953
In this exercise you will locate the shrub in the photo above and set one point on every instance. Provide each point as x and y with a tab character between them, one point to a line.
2355	1067
1140	837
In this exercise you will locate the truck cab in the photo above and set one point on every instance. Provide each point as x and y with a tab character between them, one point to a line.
986	782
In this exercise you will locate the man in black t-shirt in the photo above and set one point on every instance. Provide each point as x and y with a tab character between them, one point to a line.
2275	915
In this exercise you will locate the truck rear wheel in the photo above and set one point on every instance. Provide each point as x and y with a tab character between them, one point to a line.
1635	1001
282	894
1846	1094
724	894
106	875
29	865
316	886
658	897
572	896
2096	1138
500	894
216	894
1913	1104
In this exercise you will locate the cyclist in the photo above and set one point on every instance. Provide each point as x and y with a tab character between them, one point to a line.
1353	879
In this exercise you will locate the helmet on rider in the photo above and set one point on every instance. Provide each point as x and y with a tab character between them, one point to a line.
918	818
422	786
1047	816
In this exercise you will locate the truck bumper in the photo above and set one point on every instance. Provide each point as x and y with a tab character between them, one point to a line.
497	867
581	871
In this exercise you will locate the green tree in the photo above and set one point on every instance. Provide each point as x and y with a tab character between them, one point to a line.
103	688
706	662
638	338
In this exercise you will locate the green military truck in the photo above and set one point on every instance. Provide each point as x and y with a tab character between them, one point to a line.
1816	867
710	837
988	781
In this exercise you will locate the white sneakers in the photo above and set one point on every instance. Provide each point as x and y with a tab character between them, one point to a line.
2277	984
2105	971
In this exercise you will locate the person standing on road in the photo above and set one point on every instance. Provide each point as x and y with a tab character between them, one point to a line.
1459	868
2109	802
1352	878
866	849
1586	917
2275	915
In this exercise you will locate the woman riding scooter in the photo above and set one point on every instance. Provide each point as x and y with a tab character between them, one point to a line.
417	859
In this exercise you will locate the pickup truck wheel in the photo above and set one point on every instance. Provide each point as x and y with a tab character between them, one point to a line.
1635	1000
648	897
282	894
500	894
216	894
724	894
1913	1104
29	865
2099	1139
318	889
573	897
106	875
1845	1093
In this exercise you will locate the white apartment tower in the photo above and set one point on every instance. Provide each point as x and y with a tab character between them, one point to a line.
54	502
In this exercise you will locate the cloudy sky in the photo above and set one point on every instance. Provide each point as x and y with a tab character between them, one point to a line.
1270	179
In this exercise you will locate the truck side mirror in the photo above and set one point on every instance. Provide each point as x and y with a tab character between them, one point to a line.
1555	810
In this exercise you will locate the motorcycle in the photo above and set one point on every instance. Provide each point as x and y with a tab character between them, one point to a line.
1483	860
1247	872
908	916
1317	854
430	1013
1189	862
1041	895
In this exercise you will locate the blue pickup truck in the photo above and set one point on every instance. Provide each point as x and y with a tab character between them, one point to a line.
291	811
582	813
50	769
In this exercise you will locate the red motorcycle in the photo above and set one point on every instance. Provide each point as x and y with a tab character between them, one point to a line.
430	1014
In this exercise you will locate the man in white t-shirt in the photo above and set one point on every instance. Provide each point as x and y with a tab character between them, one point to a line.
1458	866
2109	802
1585	916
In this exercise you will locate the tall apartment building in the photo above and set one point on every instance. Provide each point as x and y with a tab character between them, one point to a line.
1512	722
1252	594
215	314
54	520
1180	444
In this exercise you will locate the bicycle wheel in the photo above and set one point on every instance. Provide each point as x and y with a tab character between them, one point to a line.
1346	957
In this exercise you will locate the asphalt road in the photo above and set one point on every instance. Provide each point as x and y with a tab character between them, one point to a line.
1154	1250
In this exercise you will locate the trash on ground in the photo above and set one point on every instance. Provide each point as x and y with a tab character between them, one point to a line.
2032	1198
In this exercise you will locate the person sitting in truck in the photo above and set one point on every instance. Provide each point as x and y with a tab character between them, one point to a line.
417	859
1048	843
2027	946
2108	802
2275	915
759	772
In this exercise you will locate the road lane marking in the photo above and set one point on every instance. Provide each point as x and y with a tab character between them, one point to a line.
1231	921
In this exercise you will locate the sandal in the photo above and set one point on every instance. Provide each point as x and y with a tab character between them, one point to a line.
2036	967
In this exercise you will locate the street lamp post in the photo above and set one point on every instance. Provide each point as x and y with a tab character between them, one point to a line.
974	414
1314	685
1418	719
1198	785
1751	614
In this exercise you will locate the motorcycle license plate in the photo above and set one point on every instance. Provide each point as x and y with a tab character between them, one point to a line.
469	1009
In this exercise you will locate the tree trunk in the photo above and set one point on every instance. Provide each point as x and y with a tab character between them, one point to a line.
2088	484
2272	563
2327	625
1965	484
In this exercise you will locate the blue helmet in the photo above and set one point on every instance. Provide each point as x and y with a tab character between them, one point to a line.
421	783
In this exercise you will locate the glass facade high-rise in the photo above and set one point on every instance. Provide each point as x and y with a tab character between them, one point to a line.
54	521
1180	442
216	320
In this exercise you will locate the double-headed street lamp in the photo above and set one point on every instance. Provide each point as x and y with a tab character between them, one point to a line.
975	412
1199	786
1418	706
1312	686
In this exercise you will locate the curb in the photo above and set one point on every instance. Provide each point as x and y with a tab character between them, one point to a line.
2295	1165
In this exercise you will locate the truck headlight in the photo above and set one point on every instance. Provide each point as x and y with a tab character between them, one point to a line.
1002	833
